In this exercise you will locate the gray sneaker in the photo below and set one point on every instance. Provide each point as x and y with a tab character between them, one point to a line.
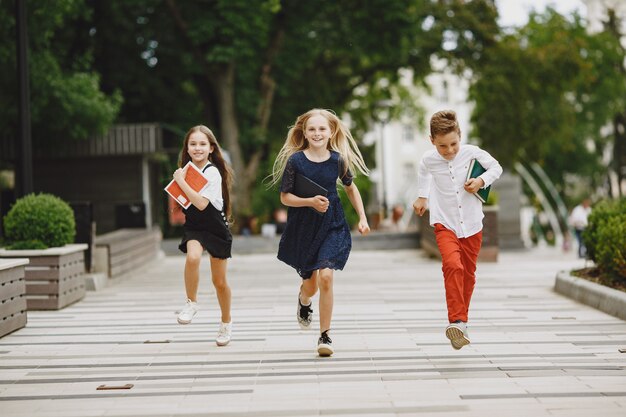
457	333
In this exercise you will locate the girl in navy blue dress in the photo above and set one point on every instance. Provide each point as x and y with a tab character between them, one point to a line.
206	225
320	147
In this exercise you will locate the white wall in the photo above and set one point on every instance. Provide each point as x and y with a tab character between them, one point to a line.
401	143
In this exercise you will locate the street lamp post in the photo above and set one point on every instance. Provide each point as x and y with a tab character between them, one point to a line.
383	115
383	170
25	159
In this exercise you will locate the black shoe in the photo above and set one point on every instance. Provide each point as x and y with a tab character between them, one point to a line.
325	345
305	315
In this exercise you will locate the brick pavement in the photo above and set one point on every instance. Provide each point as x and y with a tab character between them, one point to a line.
533	351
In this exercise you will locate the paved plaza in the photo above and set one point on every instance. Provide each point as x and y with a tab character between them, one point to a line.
533	352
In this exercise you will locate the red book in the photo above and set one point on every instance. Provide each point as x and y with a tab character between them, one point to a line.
194	178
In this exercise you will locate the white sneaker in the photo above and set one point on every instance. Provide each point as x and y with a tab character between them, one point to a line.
188	311
457	334
224	334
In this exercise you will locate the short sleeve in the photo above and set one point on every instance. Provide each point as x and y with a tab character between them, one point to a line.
213	190
289	177
348	177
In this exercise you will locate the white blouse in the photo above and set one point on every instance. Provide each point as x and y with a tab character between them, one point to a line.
212	191
442	181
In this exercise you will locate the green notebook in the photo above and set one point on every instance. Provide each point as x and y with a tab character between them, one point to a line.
475	170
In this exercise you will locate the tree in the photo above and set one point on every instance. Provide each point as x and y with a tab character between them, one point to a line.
247	68
618	165
66	101
545	92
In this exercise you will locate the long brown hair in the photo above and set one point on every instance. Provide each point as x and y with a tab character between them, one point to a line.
341	141
216	158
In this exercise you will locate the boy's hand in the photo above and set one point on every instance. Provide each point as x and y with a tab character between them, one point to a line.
474	184
363	227
419	206
319	203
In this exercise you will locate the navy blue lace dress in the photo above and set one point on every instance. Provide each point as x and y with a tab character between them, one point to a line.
311	241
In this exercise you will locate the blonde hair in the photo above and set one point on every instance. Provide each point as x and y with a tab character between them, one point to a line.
444	122
341	141
216	158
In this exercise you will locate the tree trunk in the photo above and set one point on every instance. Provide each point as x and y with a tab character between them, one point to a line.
223	82
619	151
221	97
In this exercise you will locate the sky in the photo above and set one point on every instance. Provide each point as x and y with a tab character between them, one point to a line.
515	12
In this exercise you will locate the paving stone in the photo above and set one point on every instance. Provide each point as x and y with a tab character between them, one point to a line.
533	351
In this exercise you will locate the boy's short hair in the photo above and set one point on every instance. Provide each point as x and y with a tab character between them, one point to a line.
444	122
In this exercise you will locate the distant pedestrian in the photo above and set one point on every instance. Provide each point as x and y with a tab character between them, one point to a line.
280	220
392	224
455	213
578	220
206	224
320	147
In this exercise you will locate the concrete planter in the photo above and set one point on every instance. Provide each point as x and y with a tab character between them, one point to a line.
598	296
489	250
12	295
54	276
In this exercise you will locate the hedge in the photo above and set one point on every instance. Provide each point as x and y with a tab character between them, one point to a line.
605	237
39	221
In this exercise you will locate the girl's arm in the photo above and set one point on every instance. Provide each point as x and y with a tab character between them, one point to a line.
196	199
319	202
357	202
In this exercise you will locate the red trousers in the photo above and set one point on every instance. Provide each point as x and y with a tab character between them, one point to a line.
458	263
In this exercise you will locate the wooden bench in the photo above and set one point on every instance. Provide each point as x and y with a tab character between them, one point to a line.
12	295
124	250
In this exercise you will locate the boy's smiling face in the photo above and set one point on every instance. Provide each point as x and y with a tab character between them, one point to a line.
447	145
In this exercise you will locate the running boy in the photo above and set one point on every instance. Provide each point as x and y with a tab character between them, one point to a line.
455	213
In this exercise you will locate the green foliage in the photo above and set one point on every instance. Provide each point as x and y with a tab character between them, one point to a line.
545	91
492	198
365	188
66	100
28	244
605	237
37	221
248	68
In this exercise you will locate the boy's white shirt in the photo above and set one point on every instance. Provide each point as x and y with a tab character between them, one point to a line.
442	181
212	191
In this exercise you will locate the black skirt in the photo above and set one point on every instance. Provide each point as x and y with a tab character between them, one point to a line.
210	228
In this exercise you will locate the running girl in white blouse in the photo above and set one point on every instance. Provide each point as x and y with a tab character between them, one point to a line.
206	224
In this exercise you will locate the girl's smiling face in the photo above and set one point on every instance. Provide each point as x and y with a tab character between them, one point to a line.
447	145
317	131
199	147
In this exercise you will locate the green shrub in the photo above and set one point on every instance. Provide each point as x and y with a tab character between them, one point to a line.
605	237
38	221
